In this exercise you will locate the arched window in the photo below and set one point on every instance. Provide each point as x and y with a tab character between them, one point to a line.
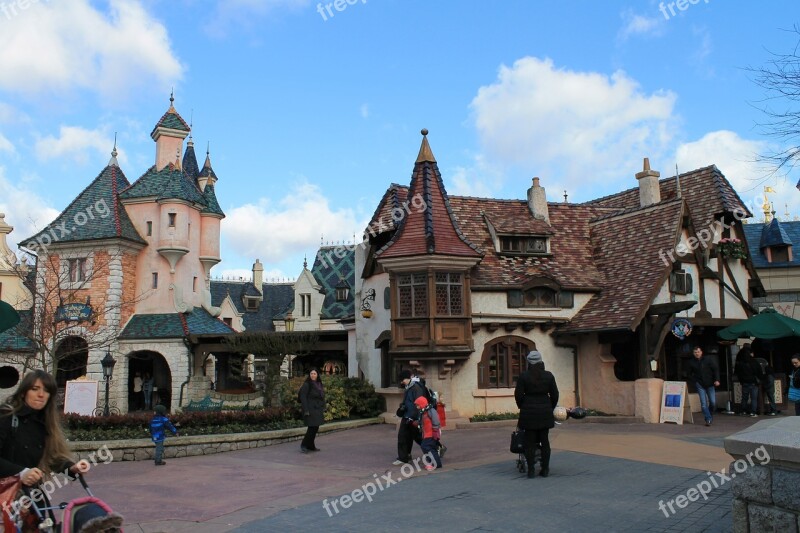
71	356
502	362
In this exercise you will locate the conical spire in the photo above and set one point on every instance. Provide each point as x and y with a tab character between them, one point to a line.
113	161
425	153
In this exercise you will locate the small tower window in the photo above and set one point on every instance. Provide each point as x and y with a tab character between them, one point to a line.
155	280
149	228
194	284
172	220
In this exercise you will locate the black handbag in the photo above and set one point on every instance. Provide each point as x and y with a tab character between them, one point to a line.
518	441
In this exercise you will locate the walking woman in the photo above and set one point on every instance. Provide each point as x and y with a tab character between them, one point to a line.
312	396
536	395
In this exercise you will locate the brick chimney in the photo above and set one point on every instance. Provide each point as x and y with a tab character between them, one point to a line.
649	190
537	201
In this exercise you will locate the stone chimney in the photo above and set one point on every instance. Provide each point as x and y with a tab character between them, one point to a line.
258	275
537	201
649	189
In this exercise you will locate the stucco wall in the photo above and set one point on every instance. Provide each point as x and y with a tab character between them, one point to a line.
599	387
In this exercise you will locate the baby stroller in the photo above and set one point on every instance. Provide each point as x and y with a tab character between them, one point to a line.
82	515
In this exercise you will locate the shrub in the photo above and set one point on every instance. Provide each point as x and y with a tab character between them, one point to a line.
488	417
344	398
136	426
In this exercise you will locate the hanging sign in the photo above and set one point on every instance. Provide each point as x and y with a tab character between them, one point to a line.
681	328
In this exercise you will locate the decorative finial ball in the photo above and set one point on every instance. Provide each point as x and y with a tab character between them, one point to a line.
424	131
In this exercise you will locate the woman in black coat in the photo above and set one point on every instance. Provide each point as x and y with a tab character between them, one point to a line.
536	395
312	396
32	442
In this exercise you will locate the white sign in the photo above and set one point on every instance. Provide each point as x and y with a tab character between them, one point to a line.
81	397
673	402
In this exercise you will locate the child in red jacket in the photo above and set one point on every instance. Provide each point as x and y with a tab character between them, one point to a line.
430	428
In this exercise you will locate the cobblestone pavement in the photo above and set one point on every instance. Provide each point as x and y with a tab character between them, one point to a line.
603	477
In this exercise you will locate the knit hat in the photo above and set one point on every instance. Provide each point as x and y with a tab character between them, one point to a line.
534	357
421	402
404	374
160	409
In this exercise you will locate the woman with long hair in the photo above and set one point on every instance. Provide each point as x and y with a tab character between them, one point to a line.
32	443
312	397
536	396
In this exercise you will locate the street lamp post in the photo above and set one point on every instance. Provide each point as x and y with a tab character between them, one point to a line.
107	363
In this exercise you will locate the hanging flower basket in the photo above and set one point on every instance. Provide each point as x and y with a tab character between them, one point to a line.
733	248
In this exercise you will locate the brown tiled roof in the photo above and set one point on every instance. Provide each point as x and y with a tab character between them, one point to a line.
626	249
432	229
705	190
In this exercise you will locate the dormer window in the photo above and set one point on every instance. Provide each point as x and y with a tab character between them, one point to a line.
523	245
540	297
251	304
779	254
342	291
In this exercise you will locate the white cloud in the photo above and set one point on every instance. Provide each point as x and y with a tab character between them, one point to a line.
75	143
639	25
570	124
5	145
27	212
246	14
735	157
58	45
292	226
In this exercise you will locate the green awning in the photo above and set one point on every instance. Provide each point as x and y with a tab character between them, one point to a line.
768	324
8	317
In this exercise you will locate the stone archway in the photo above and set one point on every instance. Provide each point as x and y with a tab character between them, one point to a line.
148	363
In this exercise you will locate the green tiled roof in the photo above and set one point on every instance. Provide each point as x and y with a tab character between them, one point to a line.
330	270
168	183
190	161
12	341
95	214
212	206
173	325
172	120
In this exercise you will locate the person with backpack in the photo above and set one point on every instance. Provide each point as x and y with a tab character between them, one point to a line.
312	398
536	395
408	433
430	427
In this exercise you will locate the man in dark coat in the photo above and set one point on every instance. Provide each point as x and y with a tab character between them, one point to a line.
536	396
408	433
749	373
704	373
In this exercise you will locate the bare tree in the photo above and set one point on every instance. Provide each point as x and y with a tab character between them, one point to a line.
70	312
780	78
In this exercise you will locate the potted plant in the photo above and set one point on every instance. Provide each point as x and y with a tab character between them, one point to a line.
731	247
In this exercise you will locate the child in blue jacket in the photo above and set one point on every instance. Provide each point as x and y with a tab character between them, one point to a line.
158	427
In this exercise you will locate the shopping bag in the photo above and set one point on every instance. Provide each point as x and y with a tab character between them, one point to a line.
518	441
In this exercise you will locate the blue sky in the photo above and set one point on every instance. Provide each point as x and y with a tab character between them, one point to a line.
310	118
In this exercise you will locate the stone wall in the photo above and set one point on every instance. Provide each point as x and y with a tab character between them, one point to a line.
143	449
765	476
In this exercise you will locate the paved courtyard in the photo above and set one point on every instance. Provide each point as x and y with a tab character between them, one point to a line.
603	477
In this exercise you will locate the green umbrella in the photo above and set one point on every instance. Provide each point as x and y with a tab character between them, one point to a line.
768	324
8	317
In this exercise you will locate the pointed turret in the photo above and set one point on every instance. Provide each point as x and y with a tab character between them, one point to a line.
207	174
169	133
427	225
190	166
